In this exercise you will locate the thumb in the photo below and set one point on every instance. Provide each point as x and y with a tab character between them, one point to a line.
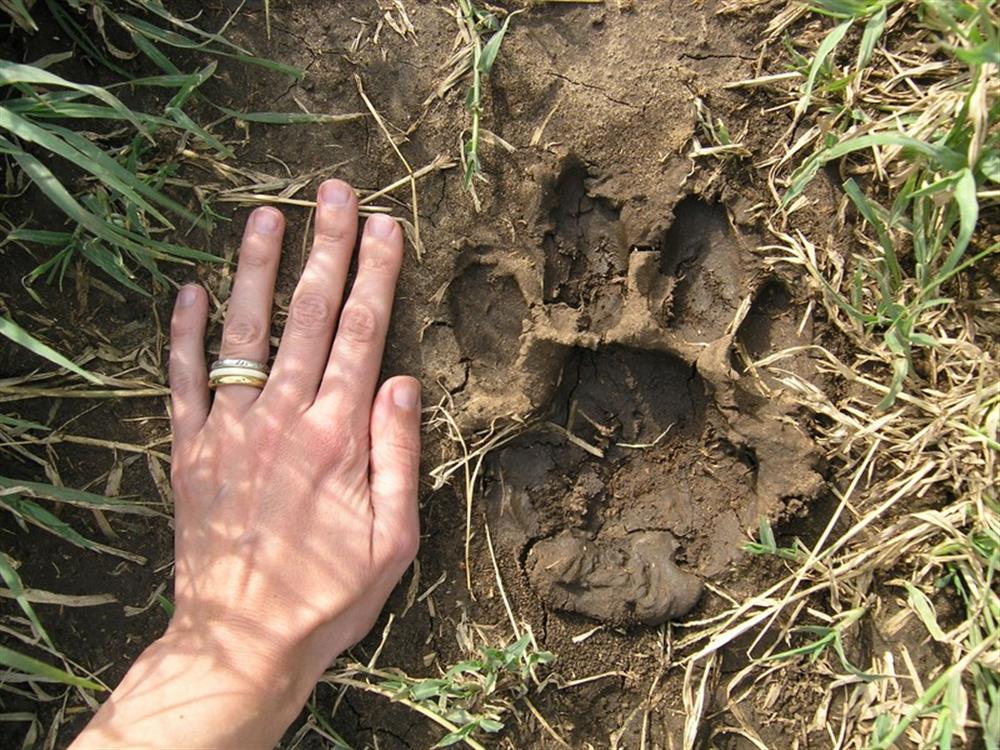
395	469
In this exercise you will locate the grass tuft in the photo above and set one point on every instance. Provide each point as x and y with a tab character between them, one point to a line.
902	99
112	170
935	159
122	208
480	36
469	699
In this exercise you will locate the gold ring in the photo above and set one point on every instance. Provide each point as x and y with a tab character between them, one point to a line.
215	380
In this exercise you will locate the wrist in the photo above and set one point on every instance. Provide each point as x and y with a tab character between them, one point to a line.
280	665
230	640
223	658
204	678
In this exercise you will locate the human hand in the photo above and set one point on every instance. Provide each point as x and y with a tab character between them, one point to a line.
296	504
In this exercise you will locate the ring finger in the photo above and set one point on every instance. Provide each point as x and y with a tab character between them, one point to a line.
247	328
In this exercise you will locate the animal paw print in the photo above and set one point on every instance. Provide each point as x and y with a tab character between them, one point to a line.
644	469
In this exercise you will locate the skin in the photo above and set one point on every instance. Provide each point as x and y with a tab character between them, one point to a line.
296	505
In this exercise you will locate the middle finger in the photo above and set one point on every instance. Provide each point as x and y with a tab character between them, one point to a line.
246	331
356	355
305	343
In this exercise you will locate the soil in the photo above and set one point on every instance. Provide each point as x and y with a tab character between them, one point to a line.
608	293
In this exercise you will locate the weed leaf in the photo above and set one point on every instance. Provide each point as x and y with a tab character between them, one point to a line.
492	48
828	45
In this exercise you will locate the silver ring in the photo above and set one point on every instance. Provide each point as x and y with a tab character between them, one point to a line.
247	364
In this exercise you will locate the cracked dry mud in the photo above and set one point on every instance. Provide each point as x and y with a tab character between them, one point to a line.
650	458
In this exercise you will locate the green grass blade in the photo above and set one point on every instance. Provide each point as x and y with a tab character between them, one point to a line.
868	211
28	665
20	336
19	14
13	581
55	266
453	738
989	164
925	700
937	186
155	33
157	8
112	171
166	605
12	74
190	85
171	38
900	366
841	8
166	80
262	62
22	425
39	236
968	263
186	123
55	58
32	511
924	608
26	511
870	37
57	193
78	498
82	38
66	105
968	212
111	264
150	50
113	235
339	743
84	154
942	156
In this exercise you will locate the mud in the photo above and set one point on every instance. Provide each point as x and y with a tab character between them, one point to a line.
608	294
642	452
632	579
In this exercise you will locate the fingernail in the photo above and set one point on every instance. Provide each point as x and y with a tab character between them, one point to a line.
187	296
335	193
265	220
380	225
406	394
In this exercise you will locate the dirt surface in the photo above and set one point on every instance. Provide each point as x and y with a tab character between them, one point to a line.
607	293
